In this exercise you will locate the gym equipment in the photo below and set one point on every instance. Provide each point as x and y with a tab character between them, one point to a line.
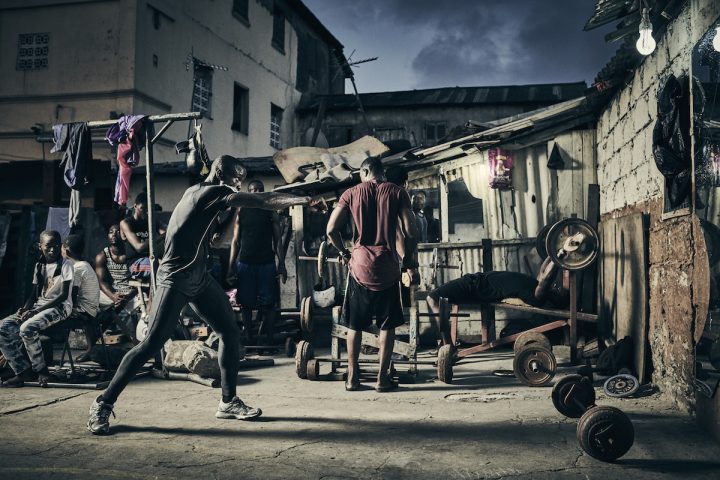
572	244
534	365
531	337
604	433
621	385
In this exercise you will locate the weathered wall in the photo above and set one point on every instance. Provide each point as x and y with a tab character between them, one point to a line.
630	182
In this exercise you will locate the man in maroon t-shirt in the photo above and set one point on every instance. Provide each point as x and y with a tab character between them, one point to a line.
373	290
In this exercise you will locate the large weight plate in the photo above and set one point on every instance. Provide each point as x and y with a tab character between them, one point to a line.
313	369
534	365
620	386
303	352
577	256
445	364
540	242
306	321
573	395
321	258
527	338
605	433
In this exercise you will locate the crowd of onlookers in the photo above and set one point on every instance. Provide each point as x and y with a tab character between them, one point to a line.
67	290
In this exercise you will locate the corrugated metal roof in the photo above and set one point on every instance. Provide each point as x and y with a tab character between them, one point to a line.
607	11
545	93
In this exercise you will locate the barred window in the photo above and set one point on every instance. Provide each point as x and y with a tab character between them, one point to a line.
275	122
202	90
32	51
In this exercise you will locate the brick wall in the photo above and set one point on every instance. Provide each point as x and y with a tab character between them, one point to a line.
630	182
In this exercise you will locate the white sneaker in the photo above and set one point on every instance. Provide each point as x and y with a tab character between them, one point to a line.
237	409
99	423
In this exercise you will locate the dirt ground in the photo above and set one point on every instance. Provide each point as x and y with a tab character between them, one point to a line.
482	426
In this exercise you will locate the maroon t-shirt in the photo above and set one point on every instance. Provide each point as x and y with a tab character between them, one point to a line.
375	208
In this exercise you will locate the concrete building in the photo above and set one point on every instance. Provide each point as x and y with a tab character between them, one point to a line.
424	117
243	63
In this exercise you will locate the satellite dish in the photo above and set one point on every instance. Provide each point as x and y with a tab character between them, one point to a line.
320	142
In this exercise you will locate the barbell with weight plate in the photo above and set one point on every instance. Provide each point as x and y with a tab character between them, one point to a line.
572	244
605	433
534	365
526	338
303	353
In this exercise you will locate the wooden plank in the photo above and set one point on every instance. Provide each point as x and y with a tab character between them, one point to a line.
588	277
624	289
403	348
444	209
550	312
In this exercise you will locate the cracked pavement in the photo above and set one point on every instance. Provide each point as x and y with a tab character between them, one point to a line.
481	427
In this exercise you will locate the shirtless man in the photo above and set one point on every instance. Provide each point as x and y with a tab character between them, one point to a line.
183	278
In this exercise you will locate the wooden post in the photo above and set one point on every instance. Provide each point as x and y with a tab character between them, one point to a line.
298	229
487	314
572	321
150	186
444	208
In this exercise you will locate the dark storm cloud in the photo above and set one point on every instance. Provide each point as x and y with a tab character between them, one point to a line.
484	42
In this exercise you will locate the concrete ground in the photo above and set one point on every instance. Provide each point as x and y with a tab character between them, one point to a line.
480	427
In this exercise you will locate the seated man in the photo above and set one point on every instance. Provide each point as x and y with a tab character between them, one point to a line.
49	303
85	291
113	275
252	259
135	231
492	287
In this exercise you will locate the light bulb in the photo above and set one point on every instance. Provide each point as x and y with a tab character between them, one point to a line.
646	43
716	40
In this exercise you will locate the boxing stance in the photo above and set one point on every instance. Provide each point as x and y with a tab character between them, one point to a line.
183	278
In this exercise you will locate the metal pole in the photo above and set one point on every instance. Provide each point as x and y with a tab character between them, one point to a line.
150	186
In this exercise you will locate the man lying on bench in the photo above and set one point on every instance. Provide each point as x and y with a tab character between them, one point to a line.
490	287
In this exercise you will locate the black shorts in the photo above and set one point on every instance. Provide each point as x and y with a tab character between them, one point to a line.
362	304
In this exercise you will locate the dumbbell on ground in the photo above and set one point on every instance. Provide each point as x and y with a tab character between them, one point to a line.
605	433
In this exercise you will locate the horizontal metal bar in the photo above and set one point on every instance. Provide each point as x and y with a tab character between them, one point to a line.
151	118
495	243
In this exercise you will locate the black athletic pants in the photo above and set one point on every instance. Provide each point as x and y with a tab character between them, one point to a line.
213	306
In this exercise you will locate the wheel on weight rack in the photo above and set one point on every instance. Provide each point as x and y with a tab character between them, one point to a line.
303	352
306	321
534	365
573	395
605	433
313	369
445	360
289	347
526	338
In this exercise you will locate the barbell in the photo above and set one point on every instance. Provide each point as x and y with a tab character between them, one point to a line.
605	433
571	243
322	259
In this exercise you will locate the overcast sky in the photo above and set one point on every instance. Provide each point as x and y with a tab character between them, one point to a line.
443	43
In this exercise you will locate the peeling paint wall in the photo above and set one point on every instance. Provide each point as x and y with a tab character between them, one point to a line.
630	182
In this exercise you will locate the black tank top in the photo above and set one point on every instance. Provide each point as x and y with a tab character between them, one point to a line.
141	229
256	236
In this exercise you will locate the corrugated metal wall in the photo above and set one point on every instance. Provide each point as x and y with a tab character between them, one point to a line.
539	196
